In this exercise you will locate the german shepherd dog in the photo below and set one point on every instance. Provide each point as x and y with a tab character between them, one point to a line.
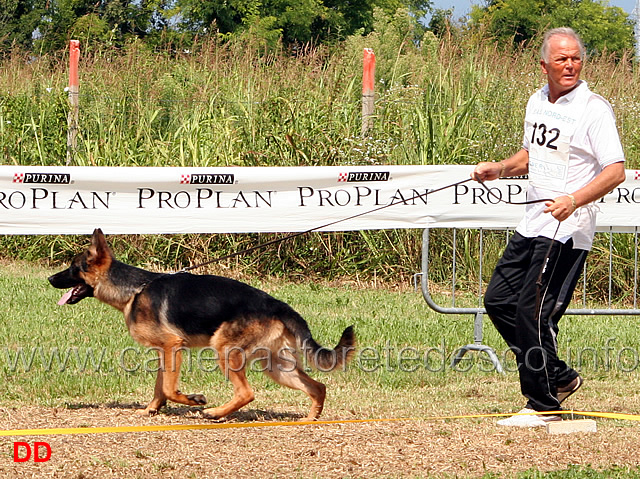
174	311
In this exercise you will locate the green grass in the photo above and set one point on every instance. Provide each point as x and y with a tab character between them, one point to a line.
402	368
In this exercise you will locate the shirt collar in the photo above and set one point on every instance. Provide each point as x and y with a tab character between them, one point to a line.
568	98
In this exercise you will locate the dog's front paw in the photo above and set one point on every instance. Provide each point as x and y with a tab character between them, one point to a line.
196	399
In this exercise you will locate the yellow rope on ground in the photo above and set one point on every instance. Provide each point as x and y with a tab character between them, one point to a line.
226	425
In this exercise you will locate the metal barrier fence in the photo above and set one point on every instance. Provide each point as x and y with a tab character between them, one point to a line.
580	301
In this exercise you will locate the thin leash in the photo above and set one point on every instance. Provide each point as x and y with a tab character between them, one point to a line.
300	233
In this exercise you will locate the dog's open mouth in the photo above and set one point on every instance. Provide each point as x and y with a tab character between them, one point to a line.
75	294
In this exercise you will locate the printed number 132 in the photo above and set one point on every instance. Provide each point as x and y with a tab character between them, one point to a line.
540	133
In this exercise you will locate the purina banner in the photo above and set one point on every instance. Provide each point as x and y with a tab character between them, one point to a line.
75	200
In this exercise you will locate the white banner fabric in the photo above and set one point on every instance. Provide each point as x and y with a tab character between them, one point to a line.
136	200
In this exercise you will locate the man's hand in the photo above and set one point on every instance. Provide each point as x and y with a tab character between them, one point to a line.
561	208
515	165
485	171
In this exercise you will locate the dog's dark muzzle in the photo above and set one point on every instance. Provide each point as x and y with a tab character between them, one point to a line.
77	292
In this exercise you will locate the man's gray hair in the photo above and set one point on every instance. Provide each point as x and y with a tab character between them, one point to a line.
564	32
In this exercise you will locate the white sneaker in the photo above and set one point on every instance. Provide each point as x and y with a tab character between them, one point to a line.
528	418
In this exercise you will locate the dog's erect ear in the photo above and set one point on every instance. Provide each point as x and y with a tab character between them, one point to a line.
99	251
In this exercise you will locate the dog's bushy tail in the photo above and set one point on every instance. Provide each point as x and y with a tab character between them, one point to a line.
321	358
325	359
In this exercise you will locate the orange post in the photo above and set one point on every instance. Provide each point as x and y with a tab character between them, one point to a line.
368	80
368	71
74	88
74	56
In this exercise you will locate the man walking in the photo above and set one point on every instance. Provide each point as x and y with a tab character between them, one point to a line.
572	154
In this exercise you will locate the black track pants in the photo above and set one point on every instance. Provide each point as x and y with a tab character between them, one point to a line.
511	301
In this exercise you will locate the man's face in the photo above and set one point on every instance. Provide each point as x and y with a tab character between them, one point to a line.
562	66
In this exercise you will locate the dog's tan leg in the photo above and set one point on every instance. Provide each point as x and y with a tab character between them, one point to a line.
159	399
233	364
171	374
166	388
290	375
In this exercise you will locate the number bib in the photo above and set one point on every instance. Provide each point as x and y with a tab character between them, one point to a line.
550	127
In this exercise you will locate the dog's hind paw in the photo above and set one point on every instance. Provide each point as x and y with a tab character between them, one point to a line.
212	413
146	412
196	399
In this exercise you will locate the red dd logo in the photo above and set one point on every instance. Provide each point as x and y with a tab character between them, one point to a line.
22	451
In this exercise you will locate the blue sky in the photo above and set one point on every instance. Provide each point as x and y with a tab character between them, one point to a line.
462	7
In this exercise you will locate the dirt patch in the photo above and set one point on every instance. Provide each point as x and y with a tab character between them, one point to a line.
421	448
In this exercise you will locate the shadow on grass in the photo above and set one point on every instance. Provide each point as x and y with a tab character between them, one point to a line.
248	415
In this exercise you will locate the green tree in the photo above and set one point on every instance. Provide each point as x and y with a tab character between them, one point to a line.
106	21
19	20
440	22
297	21
47	25
602	27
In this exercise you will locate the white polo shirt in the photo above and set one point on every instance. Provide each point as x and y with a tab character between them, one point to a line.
569	143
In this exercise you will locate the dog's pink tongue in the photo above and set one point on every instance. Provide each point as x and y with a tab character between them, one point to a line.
65	297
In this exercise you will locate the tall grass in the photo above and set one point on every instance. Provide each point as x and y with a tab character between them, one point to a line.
451	100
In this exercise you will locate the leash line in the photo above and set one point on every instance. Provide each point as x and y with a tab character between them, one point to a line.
310	230
500	200
243	425
300	233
